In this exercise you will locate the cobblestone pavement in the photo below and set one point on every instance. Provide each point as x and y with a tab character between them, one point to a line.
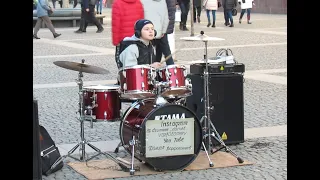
261	46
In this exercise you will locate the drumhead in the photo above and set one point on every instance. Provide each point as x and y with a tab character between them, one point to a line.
172	66
107	87
166	141
146	66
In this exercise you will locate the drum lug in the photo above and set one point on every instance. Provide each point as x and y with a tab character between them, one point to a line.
185	73
105	115
124	73
168	74
124	86
142	72
142	85
175	70
138	126
105	96
177	82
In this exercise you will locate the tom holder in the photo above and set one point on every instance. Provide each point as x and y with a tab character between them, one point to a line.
209	129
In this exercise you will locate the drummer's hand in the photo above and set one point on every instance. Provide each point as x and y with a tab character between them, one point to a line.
156	65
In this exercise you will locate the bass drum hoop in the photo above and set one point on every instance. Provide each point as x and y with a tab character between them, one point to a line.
196	150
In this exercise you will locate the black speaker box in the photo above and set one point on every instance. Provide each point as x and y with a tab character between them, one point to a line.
226	97
37	168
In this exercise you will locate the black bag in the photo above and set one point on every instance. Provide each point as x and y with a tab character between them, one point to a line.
51	159
234	12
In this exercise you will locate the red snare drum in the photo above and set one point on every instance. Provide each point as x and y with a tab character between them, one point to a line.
158	131
175	76
102	102
136	82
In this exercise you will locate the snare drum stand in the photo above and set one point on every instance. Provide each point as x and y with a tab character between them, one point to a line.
83	141
208	125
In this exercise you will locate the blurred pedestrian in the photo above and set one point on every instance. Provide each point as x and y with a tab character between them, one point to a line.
43	11
246	5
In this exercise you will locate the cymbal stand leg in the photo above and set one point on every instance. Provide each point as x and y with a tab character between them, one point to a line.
132	143
218	138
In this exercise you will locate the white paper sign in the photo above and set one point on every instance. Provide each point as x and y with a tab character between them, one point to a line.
170	137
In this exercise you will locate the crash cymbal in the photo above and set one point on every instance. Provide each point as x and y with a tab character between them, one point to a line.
81	66
201	37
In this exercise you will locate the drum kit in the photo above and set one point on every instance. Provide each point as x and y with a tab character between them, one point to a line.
157	128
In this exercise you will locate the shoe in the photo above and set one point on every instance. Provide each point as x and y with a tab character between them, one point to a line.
181	26
56	35
239	21
100	30
209	24
249	22
198	18
185	29
35	36
79	31
213	25
231	25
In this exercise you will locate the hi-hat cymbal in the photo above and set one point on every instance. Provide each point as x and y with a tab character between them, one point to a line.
83	67
201	37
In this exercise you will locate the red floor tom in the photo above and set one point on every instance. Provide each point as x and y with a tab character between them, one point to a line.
102	102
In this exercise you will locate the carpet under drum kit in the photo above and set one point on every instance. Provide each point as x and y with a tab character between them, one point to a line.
157	129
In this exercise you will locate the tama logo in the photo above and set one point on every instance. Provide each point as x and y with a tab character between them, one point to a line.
170	116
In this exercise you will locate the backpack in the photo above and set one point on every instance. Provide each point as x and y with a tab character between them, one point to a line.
51	159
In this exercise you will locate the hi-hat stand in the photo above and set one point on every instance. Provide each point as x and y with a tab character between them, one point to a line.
83	142
208	128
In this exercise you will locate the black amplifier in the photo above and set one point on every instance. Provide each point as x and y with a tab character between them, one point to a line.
199	68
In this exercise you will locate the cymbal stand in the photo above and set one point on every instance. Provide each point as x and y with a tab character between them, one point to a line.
83	141
208	125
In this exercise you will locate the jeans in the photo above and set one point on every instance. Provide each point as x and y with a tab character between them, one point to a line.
196	12
229	16
99	5
213	15
184	6
162	47
248	13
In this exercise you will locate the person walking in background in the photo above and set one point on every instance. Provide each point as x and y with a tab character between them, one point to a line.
162	46
246	5
43	16
196	10
125	13
60	2
184	7
83	22
211	6
99	6
89	16
228	5
225	15
157	12
54	3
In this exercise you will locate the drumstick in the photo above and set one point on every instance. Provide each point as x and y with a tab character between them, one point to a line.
168	57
